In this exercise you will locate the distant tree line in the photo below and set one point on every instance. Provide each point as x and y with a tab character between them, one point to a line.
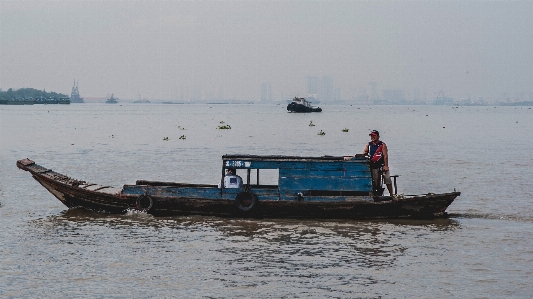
29	93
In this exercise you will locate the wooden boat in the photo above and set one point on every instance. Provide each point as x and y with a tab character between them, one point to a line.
301	105
307	187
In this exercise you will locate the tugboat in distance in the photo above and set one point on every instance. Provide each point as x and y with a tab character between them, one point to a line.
111	100
300	105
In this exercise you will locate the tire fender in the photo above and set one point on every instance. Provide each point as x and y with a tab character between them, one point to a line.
246	201
144	203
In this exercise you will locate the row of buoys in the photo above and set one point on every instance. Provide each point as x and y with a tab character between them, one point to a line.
322	133
223	126
182	137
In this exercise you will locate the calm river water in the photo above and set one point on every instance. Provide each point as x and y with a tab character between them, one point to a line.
484	250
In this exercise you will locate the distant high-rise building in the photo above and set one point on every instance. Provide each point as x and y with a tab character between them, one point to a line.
320	87
337	94
392	95
326	88
186	94
266	92
313	85
373	91
196	94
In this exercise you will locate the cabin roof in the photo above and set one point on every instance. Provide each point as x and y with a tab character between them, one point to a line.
282	158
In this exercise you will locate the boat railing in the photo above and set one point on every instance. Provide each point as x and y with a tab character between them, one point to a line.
170	184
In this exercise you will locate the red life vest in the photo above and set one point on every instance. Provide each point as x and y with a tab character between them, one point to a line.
378	154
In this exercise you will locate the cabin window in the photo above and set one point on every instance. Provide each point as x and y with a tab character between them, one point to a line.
266	176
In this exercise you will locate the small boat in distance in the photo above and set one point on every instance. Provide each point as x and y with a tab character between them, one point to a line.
327	187
142	102
301	105
111	100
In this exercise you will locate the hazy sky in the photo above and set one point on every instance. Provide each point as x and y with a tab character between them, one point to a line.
159	48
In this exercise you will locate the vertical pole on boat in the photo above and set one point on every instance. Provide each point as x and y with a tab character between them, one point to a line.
248	176
395	186
257	176
222	177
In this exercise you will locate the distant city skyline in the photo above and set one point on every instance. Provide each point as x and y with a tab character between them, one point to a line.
321	90
179	50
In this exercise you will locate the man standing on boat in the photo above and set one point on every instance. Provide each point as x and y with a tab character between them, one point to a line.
379	161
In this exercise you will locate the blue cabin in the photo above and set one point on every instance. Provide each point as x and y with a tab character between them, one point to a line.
327	178
306	178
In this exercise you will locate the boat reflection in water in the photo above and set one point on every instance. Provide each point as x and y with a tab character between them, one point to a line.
372	244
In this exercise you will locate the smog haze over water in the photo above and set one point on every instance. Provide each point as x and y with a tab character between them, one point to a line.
172	50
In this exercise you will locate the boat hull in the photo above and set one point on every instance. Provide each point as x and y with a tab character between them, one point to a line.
74	197
298	108
431	206
209	200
